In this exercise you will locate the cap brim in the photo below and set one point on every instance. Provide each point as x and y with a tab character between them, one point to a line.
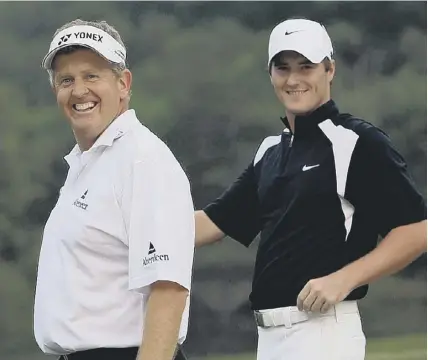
110	56
312	56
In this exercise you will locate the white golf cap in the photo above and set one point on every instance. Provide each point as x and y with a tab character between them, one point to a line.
89	37
306	37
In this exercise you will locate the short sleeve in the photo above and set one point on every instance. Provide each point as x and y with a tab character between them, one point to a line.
380	184
159	214
237	211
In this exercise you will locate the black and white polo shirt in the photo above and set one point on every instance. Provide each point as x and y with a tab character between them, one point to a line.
319	199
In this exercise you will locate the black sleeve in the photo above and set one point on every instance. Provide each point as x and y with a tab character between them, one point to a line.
237	212
380	184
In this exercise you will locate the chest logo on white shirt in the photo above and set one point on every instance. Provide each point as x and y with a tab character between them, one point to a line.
151	249
306	168
153	257
80	203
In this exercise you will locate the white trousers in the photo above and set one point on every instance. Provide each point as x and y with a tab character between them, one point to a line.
337	335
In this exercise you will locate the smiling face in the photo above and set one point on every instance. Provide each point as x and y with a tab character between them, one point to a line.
299	84
89	92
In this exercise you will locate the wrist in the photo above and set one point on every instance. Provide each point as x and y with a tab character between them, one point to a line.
349	278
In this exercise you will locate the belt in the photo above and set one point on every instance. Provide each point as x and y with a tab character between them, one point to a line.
103	353
287	316
115	353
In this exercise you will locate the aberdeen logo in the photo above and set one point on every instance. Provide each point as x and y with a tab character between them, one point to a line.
81	204
153	257
151	249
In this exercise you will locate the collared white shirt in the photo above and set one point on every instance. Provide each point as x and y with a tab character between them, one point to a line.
123	220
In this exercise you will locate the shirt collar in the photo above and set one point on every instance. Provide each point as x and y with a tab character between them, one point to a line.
308	122
115	130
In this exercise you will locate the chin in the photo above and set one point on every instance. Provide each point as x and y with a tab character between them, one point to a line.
298	110
83	124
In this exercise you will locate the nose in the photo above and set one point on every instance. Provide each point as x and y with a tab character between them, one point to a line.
293	79
79	89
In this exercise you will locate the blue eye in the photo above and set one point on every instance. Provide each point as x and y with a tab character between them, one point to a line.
65	81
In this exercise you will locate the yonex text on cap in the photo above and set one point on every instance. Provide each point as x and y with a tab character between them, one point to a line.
87	36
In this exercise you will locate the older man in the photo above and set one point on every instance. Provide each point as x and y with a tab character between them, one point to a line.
115	265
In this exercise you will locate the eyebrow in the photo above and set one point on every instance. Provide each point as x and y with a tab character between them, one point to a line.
61	75
84	72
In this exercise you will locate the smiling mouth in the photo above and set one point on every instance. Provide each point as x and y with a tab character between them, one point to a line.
296	92
85	107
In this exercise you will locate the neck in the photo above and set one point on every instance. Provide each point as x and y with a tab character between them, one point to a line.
291	117
86	139
291	120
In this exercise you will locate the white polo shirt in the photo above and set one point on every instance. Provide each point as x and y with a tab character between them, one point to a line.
123	220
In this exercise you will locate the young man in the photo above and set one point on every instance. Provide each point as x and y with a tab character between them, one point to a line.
113	278
319	193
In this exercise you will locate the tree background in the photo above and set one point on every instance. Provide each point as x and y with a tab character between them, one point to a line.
200	83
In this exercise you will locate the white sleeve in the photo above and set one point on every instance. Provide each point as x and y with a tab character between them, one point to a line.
161	225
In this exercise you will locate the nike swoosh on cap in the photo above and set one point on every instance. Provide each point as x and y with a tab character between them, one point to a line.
292	32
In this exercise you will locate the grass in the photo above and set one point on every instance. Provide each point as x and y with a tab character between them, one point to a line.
412	347
401	348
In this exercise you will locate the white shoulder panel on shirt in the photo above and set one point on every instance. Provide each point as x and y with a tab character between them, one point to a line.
266	144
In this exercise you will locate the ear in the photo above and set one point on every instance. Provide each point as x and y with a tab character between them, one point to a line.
55	91
125	83
52	82
270	76
331	71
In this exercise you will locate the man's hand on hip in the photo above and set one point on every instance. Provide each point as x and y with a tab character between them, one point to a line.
319	295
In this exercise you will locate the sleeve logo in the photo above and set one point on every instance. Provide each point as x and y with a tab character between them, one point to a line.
152	257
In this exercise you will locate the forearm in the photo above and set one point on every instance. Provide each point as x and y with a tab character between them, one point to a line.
397	250
206	231
162	322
